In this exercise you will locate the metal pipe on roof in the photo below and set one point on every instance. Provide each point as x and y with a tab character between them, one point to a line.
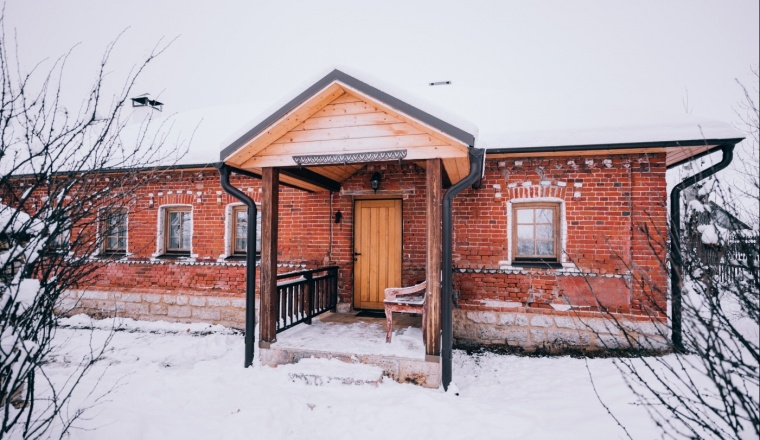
676	262
477	158
250	260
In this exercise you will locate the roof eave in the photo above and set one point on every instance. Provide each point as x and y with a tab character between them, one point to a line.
349	81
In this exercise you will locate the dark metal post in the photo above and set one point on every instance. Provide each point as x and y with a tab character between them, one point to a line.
308	296
250	261
334	288
676	262
477	157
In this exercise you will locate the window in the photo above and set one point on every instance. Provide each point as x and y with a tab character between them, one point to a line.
114	223
535	232
240	230
178	230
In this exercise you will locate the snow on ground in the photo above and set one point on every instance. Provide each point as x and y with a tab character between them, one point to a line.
172	381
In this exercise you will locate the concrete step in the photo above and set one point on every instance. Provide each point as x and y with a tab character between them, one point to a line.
321	371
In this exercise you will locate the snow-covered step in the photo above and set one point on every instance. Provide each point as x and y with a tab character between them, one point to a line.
320	371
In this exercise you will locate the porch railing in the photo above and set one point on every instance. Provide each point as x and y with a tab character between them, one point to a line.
305	294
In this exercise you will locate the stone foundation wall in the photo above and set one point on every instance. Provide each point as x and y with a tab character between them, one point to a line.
555	333
227	311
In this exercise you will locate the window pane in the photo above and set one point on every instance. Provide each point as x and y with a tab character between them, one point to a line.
186	232
174	240
544	215
525	247
240	244
545	248
525	231
113	242
545	232
524	216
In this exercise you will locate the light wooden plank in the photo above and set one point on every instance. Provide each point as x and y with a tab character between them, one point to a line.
359	261
375	255
346	108
383	244
443	137
450	167
356	145
353	132
376	118
338	173
345	99
285	124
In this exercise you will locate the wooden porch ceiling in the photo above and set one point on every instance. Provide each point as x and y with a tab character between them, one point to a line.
343	120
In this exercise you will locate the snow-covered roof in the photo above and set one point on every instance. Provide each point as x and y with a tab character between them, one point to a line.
495	118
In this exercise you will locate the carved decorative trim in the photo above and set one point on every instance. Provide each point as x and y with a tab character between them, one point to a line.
341	159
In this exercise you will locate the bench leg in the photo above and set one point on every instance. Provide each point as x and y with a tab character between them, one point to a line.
388	324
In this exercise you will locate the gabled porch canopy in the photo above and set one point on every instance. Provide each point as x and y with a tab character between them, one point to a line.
331	130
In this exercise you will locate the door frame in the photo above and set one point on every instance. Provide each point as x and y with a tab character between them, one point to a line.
353	238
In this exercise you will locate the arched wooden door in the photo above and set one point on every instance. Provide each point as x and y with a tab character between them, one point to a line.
377	251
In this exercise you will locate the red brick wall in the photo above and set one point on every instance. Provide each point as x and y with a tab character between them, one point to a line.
609	202
614	207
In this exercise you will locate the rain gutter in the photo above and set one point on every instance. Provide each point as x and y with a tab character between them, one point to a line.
250	257
477	158
676	262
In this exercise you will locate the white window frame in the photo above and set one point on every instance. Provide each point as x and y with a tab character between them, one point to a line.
161	228
562	224
229	233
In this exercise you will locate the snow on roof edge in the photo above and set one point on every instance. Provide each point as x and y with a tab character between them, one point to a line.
696	130
297	92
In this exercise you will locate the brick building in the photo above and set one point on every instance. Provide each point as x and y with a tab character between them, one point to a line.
555	242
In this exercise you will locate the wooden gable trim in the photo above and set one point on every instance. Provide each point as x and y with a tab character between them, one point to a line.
411	120
304	106
282	125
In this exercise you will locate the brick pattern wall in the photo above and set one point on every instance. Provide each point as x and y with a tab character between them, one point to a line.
616	230
615	236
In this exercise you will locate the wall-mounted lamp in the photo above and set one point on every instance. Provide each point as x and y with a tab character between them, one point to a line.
374	182
338	216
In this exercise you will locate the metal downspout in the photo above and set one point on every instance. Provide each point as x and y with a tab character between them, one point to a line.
477	157
676	262
250	260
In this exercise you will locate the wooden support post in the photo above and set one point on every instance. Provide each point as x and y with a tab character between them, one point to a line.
433	295
269	212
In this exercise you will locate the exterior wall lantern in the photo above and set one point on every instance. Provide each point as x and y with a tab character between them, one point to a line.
374	182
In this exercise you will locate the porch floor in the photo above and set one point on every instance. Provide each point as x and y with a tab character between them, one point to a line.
348	333
352	339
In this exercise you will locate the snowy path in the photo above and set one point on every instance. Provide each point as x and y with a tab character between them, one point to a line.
182	386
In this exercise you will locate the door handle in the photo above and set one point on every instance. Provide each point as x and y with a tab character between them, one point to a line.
356	254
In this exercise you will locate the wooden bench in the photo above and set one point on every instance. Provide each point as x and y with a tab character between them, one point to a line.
404	300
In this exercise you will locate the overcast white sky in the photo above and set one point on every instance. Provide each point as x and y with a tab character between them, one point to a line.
575	55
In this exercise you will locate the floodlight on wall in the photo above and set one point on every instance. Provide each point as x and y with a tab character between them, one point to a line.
374	182
145	101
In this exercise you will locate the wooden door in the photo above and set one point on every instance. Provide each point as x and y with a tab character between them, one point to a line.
377	251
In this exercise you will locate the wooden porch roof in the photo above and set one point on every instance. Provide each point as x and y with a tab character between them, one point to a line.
336	126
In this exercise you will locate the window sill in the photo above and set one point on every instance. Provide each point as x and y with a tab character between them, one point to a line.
538	264
111	255
174	256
